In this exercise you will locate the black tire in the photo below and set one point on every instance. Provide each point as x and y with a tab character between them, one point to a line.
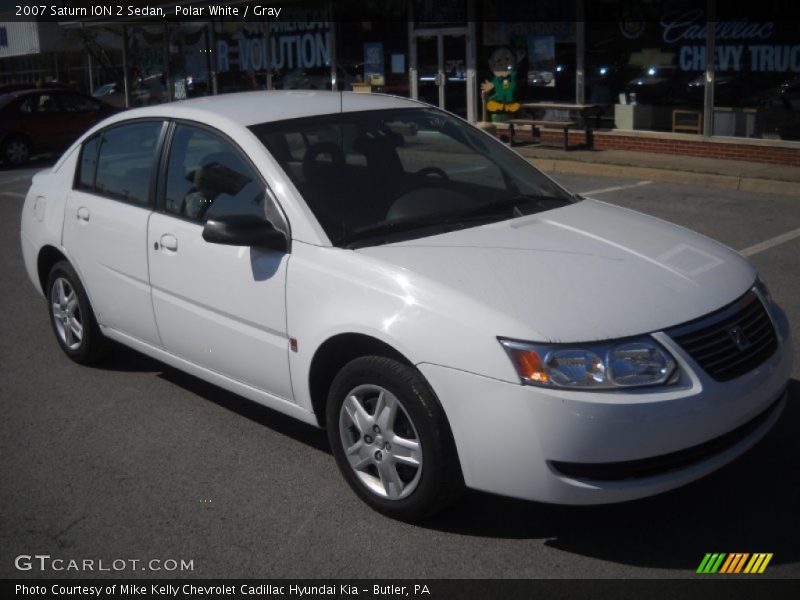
440	482
92	345
16	150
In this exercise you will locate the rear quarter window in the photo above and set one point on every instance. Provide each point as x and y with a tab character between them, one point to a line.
87	165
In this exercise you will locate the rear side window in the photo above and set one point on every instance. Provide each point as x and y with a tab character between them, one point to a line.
125	162
39	103
77	103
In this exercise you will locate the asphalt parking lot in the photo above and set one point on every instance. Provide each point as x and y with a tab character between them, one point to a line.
135	460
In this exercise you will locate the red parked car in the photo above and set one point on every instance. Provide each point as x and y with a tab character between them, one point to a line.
45	120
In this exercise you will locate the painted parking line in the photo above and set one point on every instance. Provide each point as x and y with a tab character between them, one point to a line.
18	176
771	242
616	188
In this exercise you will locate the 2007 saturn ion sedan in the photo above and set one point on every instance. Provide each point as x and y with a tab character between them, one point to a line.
387	271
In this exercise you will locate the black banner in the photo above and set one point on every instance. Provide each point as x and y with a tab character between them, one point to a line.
441	12
700	587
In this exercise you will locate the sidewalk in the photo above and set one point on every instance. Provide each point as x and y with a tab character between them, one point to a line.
716	172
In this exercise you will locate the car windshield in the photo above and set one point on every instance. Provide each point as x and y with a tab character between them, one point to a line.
380	176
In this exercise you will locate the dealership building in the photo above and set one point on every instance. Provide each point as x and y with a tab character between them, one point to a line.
690	77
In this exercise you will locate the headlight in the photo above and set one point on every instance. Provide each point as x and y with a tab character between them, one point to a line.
597	365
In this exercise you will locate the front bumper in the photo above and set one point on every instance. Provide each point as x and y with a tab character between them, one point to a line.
511	439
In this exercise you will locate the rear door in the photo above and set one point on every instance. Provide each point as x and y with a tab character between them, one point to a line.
105	224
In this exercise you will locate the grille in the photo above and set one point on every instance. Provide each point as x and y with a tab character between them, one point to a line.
732	341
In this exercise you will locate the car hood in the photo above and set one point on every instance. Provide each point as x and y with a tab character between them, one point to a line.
584	272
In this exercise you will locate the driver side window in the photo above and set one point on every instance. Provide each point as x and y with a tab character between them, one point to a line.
207	178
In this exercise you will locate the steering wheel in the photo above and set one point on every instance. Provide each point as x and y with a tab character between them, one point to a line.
425	171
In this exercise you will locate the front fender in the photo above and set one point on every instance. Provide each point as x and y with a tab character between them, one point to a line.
331	291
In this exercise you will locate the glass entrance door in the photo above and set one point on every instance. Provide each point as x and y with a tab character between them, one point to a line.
454	50
442	70
429	70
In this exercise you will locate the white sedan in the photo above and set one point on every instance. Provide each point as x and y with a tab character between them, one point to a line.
387	271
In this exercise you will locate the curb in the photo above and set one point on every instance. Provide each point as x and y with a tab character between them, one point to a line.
730	182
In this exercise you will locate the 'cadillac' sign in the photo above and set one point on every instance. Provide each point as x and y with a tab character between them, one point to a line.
753	53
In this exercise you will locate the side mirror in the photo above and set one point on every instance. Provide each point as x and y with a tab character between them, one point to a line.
244	230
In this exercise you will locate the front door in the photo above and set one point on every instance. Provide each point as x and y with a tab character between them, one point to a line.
220	307
442	70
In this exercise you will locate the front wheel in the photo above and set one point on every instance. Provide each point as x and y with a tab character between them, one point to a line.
391	439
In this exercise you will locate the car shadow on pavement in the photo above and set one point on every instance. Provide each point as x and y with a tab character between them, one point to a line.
751	505
127	360
278	422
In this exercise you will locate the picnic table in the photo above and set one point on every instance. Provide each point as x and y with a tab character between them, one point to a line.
582	112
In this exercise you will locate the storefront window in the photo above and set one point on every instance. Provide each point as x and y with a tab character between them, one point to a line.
241	56
439	13
301	58
641	66
293	53
147	81
190	65
101	54
757	80
521	63
372	56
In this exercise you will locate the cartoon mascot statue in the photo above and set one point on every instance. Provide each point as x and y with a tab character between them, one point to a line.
502	103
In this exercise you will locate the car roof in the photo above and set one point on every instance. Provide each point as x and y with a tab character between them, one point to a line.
251	108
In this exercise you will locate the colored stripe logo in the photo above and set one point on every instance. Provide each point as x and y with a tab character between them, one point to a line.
737	562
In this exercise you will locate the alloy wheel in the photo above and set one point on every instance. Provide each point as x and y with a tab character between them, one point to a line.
380	442
66	313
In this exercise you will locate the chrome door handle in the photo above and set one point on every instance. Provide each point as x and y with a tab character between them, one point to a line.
170	242
83	214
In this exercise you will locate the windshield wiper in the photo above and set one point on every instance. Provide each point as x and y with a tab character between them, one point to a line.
516	203
445	220
495	206
388	228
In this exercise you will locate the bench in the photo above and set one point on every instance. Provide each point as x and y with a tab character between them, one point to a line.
687	121
565	125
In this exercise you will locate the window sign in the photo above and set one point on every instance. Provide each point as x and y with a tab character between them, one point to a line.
541	60
398	63
741	45
373	63
301	45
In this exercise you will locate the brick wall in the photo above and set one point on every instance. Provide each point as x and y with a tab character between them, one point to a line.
766	154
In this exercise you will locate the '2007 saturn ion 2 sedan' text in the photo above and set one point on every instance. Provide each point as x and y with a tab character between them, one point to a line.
383	269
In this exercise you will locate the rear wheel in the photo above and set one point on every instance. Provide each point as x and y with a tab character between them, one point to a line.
71	316
16	151
391	439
